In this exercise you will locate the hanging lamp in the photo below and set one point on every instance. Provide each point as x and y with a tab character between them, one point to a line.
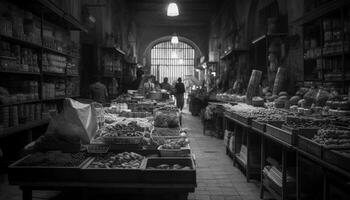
172	10
174	39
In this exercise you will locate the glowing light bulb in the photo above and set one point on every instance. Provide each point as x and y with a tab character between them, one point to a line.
174	39
172	10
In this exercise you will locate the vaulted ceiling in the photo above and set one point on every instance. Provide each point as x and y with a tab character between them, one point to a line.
192	12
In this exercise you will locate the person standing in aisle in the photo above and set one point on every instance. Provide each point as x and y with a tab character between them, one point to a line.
98	91
179	94
166	86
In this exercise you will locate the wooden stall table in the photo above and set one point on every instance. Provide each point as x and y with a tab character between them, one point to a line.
286	149
332	177
243	135
178	191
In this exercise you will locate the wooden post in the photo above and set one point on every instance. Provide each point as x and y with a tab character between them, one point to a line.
262	165
253	85
246	132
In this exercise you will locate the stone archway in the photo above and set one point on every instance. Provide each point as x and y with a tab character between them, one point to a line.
147	53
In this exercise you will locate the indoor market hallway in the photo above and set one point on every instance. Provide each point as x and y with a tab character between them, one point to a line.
217	178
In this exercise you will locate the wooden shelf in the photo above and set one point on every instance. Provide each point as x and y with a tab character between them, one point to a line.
21	73
320	11
54	99
54	74
20	103
234	51
73	75
8	58
50	50
22	127
51	13
268	36
21	42
32	45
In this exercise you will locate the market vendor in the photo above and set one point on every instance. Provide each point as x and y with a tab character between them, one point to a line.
179	94
148	86
166	86
98	91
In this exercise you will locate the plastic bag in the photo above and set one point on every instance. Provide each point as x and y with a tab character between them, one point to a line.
83	113
74	126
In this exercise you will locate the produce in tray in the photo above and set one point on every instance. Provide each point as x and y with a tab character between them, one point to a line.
170	167
305	122
166	120
175	143
121	130
125	160
168	109
110	118
165	132
333	137
54	158
261	114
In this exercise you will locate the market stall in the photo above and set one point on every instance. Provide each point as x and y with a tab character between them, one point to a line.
279	139
128	149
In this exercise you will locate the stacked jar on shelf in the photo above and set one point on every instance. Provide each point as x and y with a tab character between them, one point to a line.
54	63
15	58
333	45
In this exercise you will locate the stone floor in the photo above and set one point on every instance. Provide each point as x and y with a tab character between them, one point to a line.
216	176
217	179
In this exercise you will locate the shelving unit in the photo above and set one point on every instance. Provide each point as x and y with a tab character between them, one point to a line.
244	136
45	13
287	152
112	57
259	52
326	44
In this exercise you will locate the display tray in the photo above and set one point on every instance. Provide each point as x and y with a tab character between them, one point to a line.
182	152
161	132
110	175
122	140
187	176
281	134
337	158
305	143
21	173
244	120
161	139
261	125
287	134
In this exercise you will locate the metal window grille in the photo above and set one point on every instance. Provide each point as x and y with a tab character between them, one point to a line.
172	61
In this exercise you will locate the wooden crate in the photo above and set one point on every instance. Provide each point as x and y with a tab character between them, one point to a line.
336	158
19	173
169	176
305	143
110	175
244	120
281	134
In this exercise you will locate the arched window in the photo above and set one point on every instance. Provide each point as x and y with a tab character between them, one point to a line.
172	60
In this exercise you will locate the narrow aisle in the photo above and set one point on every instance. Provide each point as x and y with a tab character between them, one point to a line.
217	178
